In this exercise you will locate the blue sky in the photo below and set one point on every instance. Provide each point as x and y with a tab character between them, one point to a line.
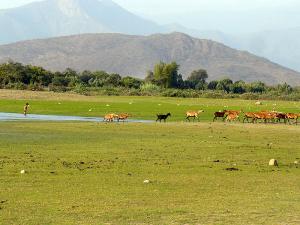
226	15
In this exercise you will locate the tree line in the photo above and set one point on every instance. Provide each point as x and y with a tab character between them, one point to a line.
163	76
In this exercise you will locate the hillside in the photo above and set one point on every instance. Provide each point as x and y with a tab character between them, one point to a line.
134	55
52	18
55	18
280	46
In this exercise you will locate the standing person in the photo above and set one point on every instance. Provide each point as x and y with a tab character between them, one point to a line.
26	106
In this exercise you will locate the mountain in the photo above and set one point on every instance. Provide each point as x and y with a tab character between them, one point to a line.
280	46
134	55
52	18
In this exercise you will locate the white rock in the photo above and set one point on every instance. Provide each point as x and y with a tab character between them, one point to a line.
296	162
23	171
273	162
146	181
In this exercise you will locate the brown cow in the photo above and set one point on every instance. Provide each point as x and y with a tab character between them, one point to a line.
249	115
232	112
281	116
219	115
110	117
123	117
293	116
265	116
193	114
232	117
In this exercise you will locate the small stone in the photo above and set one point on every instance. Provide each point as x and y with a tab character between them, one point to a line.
146	181
296	162
23	172
273	162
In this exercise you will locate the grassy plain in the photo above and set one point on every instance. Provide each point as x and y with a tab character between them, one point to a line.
139	107
93	173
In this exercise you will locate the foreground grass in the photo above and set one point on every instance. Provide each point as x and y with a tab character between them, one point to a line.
89	173
139	107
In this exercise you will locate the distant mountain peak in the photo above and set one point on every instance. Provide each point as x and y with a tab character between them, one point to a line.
70	8
108	3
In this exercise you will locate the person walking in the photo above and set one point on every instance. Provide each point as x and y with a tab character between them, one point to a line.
26	107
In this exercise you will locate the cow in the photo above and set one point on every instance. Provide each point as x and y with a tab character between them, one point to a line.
110	117
237	112
193	114
232	112
219	115
265	116
163	117
249	115
123	117
281	116
293	116
232	117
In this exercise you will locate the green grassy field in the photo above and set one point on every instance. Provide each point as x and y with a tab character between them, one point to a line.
93	173
139	107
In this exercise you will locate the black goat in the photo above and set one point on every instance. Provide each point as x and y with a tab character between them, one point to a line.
161	117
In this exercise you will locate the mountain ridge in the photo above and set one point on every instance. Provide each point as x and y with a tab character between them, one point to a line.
55	18
134	55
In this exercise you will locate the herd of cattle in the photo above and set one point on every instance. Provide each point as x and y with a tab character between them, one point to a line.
264	116
226	115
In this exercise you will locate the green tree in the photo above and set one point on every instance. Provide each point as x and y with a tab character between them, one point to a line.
99	79
284	88
198	76
113	80
239	87
257	87
130	82
180	81
166	75
60	80
159	74
212	85
86	76
225	85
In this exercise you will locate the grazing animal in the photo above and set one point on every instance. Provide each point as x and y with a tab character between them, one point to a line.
281	116
163	117
123	117
249	115
219	115
232	117
259	116
228	112
110	117
293	116
232	112
265	116
193	114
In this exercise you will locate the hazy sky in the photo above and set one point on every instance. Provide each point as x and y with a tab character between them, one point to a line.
180	5
226	15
